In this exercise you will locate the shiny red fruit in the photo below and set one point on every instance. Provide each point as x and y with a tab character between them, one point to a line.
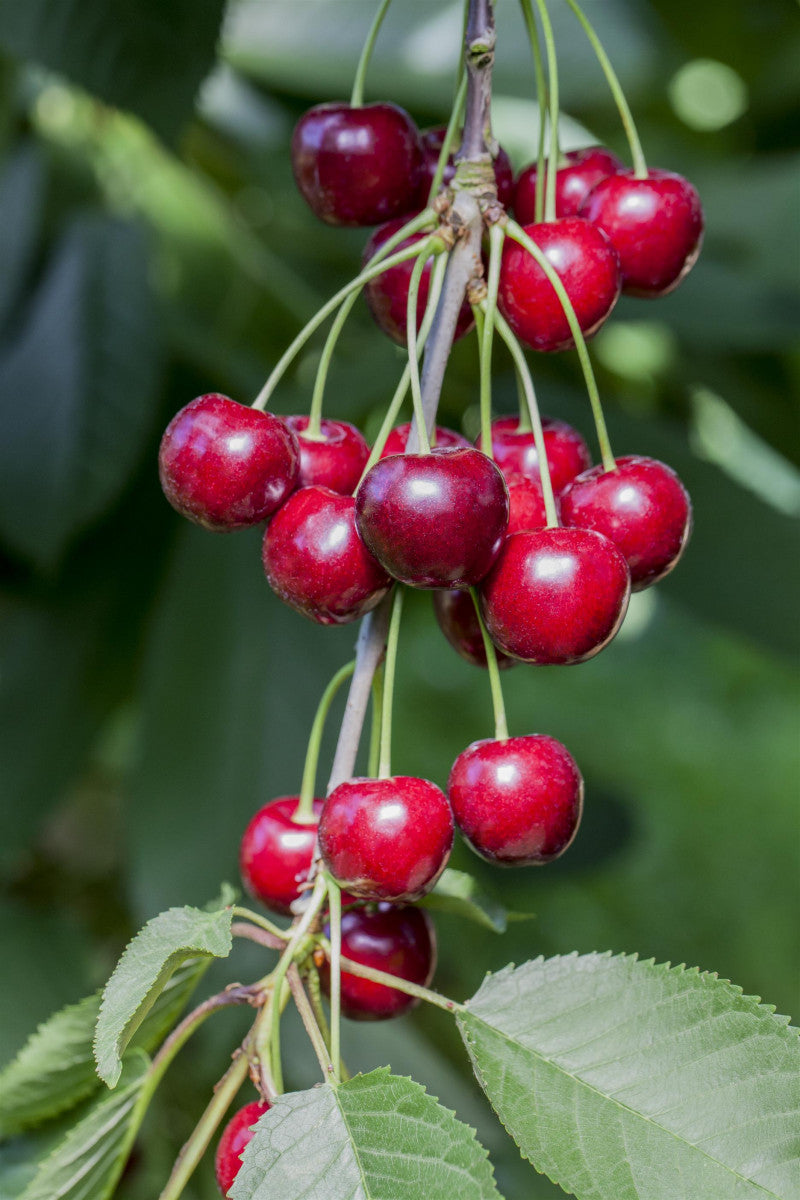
235	1137
642	507
357	166
432	140
582	171
556	595
525	505
276	852
316	562
399	940
225	466
386	839
654	224
458	621
387	293
335	459
517	802
586	263
442	439
515	453
434	520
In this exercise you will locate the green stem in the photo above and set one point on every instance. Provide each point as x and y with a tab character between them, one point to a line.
498	704
626	116
335	917
552	76
453	124
385	760
313	1030
248	915
375	727
357	95
402	985
541	100
413	356
524	422
304	813
489	308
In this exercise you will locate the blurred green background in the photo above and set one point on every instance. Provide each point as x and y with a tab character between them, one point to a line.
153	693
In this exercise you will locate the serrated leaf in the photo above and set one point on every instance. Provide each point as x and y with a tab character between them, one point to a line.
620	1078
376	1137
460	893
142	973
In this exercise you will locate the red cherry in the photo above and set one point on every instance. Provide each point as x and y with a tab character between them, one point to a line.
517	802
276	852
357	166
434	520
399	940
225	466
334	460
654	224
387	293
642	507
316	562
235	1137
442	438
432	140
555	595
458	621
515	453
585	261
386	839
525	505
583	170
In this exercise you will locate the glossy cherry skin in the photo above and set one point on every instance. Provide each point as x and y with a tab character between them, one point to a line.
525	505
654	224
357	166
386	839
515	453
397	939
642	507
335	460
225	466
582	171
276	852
586	263
316	562
442	438
434	520
556	595
455	613
518	802
432	140
235	1137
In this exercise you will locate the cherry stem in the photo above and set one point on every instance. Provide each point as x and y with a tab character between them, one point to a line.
524	422
413	359
369	652
304	813
357	95
315	1035
335	916
498	704
247	915
401	985
489	309
253	933
375	726
519	235
541	100
449	138
552	77
385	757
626	116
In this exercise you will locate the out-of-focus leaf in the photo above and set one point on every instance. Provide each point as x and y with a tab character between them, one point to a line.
21	200
460	893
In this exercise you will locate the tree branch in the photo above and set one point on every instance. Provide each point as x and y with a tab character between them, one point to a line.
370	648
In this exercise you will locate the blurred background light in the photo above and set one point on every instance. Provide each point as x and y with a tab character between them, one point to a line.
707	94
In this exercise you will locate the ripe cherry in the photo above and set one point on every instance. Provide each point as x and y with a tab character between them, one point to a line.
642	507
555	595
654	224
276	852
515	453
400	940
442	438
458	621
525	505
357	166
434	520
236	1135
432	140
316	562
225	466
517	802
386	839
582	171
335	459
586	263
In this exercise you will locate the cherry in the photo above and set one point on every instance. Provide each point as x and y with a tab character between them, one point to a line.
586	263
525	505
654	224
316	562
235	1137
400	940
442	438
386	839
276	852
434	520
225	466
555	595
335	459
432	140
582	171
642	507
515	453
357	166
517	802
458	621
387	293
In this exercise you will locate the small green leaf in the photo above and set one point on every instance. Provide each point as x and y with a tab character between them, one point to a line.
376	1137
460	893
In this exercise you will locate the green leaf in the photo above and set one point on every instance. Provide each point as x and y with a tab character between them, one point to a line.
143	971
460	893
622	1078
376	1137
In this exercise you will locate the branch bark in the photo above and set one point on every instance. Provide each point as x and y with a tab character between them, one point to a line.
370	649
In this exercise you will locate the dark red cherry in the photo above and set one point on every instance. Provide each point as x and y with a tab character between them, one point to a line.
432	140
525	505
581	172
586	263
225	466
517	802
555	595
442	438
235	1137
399	940
357	166
457	619
276	852
434	520
654	224
316	562
642	507
387	293
335	459
386	839
514	450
